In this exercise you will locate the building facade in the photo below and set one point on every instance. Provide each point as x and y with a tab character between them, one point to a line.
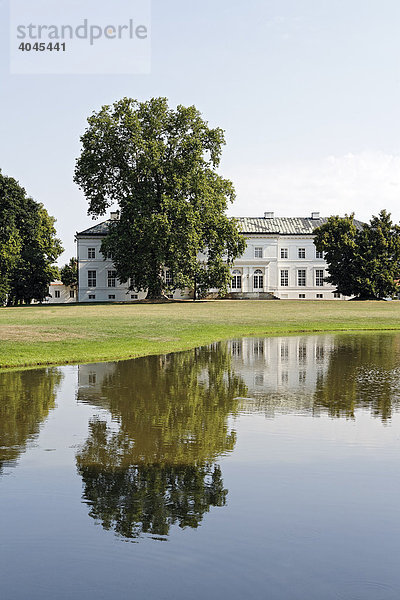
280	261
61	294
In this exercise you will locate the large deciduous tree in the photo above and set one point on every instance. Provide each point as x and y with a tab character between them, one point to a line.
28	245
363	261
11	200
159	165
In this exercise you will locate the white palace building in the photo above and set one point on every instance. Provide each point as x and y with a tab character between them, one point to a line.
280	261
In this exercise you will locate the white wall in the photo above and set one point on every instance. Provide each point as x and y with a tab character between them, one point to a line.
63	293
268	365
270	265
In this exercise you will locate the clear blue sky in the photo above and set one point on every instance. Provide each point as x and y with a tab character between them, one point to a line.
308	93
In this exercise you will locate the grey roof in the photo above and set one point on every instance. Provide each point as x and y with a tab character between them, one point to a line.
277	225
99	229
283	225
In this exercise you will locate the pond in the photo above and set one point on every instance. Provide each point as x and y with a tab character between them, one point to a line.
253	468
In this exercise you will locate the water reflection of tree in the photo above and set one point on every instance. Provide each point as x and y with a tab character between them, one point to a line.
158	468
363	372
26	398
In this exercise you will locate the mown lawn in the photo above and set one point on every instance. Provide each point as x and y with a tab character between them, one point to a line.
39	335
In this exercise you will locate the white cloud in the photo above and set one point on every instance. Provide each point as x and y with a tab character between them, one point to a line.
362	183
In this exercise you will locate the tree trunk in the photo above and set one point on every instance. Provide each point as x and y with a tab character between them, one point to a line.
195	290
155	291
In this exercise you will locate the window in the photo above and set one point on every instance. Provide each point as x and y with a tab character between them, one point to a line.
319	254
336	294
319	296
91	252
302	253
168	278
92	297
236	280
284	352
302	352
258	252
71	294
92	378
258	348
236	348
91	278
134	296
284	278
111	278
284	253
57	294
258	280
319	277
111	296
302	296
301	277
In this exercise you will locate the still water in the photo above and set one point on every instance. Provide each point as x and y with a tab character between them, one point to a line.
256	468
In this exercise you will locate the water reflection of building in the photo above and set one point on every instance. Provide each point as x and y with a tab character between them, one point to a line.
91	378
334	374
320	374
281	364
277	371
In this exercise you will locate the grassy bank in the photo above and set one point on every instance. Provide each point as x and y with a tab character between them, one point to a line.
39	335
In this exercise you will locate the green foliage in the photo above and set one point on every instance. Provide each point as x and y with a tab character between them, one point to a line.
159	467
176	411
69	273
159	165
27	397
12	198
150	499
10	248
363	262
34	269
28	246
362	373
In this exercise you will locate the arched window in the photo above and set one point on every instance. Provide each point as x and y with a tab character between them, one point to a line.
258	280
236	280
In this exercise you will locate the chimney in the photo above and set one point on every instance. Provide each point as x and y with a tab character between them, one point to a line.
315	215
114	216
268	215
